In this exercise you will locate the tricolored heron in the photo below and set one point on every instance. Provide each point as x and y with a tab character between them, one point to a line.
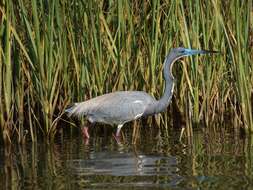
118	108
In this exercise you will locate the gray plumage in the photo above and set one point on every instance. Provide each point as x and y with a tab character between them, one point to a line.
111	108
117	108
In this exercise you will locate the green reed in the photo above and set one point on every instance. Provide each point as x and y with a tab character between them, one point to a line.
56	52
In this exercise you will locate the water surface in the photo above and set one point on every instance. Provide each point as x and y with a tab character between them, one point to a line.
156	161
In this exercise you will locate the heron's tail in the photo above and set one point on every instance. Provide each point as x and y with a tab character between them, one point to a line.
75	109
71	109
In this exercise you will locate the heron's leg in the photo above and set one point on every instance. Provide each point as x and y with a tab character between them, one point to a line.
118	130
85	132
85	129
181	133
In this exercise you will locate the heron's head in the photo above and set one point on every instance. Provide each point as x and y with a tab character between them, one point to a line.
182	52
179	52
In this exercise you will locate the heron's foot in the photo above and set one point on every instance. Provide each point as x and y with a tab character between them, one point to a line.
86	141
85	132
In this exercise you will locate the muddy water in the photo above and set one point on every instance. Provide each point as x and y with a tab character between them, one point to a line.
156	161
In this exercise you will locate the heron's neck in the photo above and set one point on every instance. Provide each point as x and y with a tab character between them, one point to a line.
169	84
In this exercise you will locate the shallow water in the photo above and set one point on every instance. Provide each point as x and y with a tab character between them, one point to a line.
221	161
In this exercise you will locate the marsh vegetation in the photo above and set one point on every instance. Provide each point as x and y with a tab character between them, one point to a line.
56	52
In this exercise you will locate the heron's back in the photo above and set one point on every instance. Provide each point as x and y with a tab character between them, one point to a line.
114	108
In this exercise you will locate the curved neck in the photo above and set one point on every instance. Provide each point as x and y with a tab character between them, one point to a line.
169	83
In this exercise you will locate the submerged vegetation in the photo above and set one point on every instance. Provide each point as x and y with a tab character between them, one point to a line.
56	52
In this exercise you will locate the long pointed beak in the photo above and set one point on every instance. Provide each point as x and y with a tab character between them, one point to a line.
194	52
